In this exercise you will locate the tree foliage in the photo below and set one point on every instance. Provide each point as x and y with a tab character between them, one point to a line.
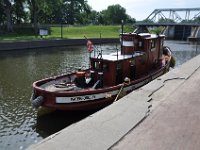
7	8
114	14
197	19
19	15
165	20
2	13
58	12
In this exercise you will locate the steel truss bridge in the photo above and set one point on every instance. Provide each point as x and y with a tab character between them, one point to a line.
181	22
175	14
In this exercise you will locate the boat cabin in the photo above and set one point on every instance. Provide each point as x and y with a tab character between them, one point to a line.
140	54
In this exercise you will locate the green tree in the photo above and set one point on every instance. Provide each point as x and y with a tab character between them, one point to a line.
130	20
19	14
34	10
51	12
197	20
157	30
63	11
147	21
165	20
40	9
8	13
12	12
74	9
2	13
114	14
93	17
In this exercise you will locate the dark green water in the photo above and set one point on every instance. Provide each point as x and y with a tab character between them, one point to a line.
20	125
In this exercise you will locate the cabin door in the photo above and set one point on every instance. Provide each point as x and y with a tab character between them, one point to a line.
132	69
132	72
119	74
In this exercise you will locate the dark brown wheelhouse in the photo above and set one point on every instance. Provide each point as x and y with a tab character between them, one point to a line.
115	69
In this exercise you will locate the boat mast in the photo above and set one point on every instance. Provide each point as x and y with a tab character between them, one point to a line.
122	30
118	64
100	44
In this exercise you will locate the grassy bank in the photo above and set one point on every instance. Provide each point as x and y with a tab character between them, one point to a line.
70	32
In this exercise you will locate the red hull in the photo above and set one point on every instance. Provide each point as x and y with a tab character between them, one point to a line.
49	98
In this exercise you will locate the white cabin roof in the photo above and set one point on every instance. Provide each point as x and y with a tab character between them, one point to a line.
113	56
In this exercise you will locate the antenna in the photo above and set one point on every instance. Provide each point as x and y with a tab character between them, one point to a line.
100	44
117	52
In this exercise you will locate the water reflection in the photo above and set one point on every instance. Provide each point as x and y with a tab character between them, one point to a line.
55	121
183	50
20	125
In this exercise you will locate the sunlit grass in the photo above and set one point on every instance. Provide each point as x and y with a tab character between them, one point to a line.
72	32
88	31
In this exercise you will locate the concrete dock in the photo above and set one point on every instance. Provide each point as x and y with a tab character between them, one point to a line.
164	114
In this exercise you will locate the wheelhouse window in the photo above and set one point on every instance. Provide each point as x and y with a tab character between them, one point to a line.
105	66
141	44
98	65
153	45
161	47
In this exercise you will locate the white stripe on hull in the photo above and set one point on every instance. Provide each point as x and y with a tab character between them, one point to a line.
92	97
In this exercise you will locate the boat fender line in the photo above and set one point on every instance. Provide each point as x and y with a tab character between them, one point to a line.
127	81
37	101
116	98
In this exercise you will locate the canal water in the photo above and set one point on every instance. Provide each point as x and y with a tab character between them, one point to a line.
20	124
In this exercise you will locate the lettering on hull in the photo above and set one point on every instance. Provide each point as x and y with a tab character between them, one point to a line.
84	98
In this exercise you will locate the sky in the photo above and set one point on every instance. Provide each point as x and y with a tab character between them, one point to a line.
141	9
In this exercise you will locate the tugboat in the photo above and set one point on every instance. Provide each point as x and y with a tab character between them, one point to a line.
142	58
